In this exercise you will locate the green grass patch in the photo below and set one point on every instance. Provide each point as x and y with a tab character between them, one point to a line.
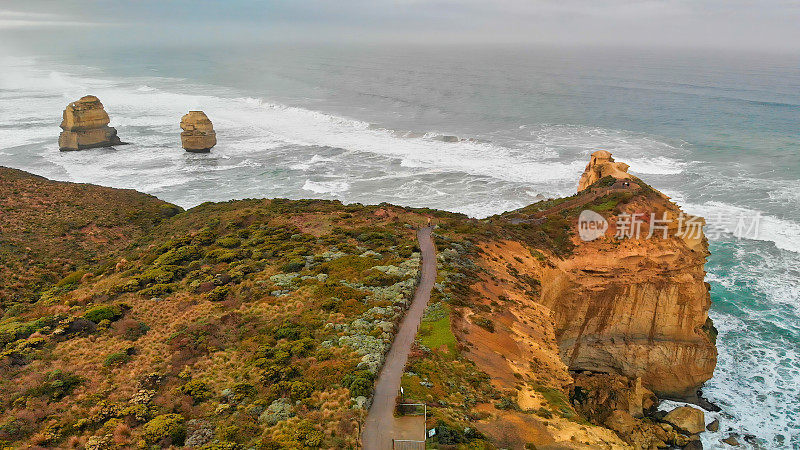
437	334
609	202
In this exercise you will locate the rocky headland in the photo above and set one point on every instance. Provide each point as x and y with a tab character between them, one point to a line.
263	323
85	125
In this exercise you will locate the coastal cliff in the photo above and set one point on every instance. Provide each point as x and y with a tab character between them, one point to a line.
264	322
637	307
613	321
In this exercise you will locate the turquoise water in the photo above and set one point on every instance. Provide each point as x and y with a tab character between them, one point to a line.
718	133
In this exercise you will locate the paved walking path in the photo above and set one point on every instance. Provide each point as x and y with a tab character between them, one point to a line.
379	426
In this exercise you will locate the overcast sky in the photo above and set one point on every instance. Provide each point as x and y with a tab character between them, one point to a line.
766	25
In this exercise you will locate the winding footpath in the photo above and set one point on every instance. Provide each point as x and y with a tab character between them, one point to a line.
379	426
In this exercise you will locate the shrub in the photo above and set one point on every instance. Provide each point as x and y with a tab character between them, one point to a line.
359	383
219	293
57	385
71	279
12	331
485	323
103	312
378	278
241	391
168	210
538	255
361	387
79	325
544	412
308	435
373	236
290	331
303	346
116	359
323	354
157	275
198	390
166	427
278	410
14	430
268	444
179	255
205	236
127	286
447	435
293	266
139	412
314	439
506	403
301	390
224	255
229	242
158	289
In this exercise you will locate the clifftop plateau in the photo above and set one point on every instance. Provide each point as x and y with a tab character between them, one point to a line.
263	323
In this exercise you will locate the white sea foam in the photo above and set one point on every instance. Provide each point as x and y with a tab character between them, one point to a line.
158	110
757	314
313	161
326	187
654	166
757	383
15	137
625	145
786	191
724	218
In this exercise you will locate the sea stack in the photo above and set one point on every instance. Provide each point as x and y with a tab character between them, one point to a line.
198	133
600	166
85	126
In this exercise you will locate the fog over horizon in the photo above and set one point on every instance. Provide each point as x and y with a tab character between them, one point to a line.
737	25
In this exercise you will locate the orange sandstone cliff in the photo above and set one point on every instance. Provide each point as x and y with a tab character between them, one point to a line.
636	307
610	321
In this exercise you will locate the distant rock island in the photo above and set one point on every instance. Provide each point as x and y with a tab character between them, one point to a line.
85	126
198	133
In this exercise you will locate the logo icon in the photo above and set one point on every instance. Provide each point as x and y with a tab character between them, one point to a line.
591	225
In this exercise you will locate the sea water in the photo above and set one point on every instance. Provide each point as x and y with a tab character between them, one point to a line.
718	133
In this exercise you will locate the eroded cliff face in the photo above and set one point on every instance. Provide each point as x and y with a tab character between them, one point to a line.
630	306
633	301
636	307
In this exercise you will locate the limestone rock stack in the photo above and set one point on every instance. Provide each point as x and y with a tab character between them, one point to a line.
198	133
85	126
600	166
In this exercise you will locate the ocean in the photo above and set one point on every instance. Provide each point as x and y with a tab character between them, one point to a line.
719	133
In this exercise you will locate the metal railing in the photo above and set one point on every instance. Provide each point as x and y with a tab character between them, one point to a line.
406	444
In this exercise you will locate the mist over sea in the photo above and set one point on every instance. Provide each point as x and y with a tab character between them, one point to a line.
719	133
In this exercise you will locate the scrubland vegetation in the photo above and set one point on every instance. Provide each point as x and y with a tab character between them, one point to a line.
234	325
127	322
